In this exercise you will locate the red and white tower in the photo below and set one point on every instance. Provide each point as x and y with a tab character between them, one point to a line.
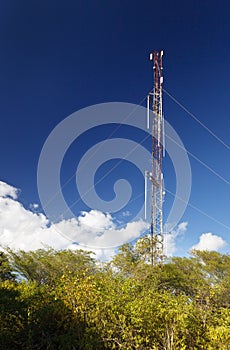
156	175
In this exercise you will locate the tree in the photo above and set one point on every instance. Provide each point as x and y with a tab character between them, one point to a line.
126	260
45	266
67	301
6	271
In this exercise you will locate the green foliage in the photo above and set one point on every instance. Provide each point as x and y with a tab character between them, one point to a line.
67	301
45	266
6	272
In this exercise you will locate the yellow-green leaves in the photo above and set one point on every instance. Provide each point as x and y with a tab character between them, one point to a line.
67	301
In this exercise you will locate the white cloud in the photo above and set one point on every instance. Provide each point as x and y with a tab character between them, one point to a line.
7	190
25	229
170	238
209	241
34	206
97	219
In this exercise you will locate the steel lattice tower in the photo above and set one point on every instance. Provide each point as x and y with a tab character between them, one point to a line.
156	176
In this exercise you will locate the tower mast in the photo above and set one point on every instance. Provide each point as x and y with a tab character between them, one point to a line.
156	177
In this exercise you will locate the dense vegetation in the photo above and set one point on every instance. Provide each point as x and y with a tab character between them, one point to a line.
67	300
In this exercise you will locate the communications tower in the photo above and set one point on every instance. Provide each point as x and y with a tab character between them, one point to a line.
154	102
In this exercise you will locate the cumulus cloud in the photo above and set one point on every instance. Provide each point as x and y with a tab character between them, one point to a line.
96	230
29	229
97	219
21	228
7	190
209	241
170	238
34	206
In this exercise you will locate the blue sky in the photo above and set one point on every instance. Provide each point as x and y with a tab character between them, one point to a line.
58	57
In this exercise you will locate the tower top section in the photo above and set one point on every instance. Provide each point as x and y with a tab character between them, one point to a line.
157	54
156	57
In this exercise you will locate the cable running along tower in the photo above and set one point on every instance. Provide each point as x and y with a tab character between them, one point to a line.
154	100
